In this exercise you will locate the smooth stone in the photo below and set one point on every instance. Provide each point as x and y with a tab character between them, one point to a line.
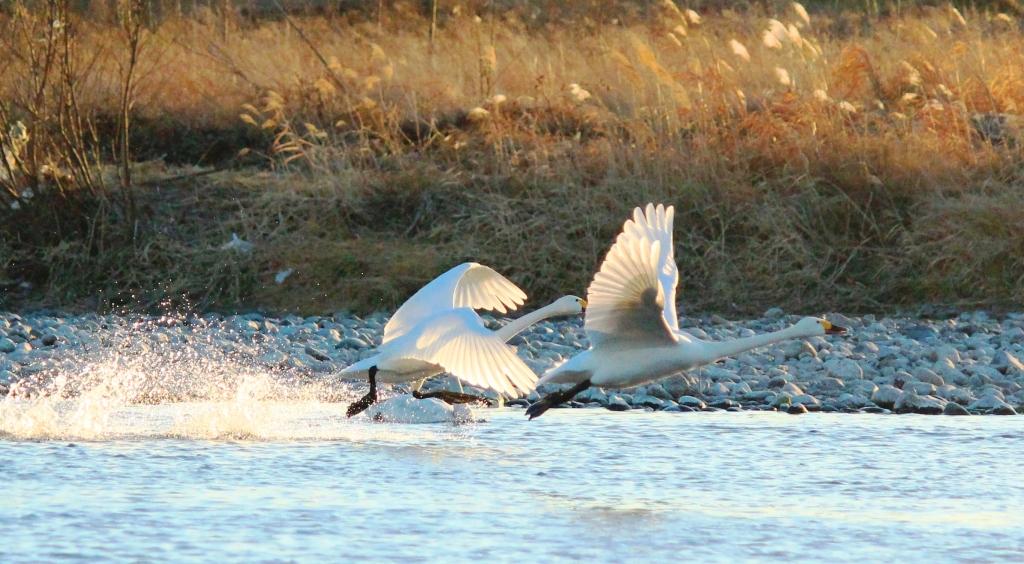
910	402
874	409
796	409
923	374
739	388
953	408
673	408
1002	360
617	403
947	353
645	400
919	388
827	384
6	345
920	332
955	394
250	325
989	373
987	402
806	400
658	391
717	373
774	313
886	396
844	369
862	387
868	347
777	382
317	354
677	385
273	357
758	395
723	403
852	401
1004	410
793	349
592	395
954	376
717	389
353	342
690	401
791	389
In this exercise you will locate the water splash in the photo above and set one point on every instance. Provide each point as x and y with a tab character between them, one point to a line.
161	377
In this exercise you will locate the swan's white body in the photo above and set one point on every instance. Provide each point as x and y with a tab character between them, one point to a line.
631	316
407	409
437	330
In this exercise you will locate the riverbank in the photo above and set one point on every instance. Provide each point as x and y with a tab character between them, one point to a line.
967	364
830	159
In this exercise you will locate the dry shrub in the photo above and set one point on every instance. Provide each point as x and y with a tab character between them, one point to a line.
812	171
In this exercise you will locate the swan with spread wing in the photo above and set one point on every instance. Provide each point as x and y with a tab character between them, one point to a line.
631	318
437	330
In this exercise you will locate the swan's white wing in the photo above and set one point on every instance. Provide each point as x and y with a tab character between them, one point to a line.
628	299
469	285
458	342
655	224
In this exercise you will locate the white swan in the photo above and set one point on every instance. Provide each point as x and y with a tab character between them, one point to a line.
631	318
436	330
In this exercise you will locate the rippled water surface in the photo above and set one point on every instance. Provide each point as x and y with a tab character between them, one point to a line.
297	481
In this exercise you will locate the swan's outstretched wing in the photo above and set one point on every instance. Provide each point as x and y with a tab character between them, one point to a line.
458	342
469	285
655	224
631	299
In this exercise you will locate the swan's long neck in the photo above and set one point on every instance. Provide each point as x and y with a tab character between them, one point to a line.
520	324
722	349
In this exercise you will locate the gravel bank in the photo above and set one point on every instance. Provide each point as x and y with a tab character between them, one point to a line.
970	364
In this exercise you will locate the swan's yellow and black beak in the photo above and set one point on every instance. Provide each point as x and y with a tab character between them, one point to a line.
831	329
583	305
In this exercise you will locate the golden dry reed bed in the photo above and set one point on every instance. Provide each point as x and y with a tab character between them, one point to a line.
818	159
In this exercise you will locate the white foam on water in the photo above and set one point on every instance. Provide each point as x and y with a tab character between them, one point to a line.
138	386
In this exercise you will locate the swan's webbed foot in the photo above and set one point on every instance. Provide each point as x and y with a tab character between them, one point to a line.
369	399
451	397
553	399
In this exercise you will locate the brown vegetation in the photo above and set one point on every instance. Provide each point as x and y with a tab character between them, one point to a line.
836	159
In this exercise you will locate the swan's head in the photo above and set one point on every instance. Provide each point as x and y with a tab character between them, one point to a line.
569	305
815	326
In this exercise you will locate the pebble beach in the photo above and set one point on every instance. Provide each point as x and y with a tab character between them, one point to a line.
968	364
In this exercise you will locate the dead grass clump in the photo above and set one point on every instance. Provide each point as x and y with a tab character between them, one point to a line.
816	157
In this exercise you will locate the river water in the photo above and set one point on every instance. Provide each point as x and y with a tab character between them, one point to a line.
296	480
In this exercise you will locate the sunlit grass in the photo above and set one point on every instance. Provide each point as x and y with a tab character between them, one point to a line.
817	159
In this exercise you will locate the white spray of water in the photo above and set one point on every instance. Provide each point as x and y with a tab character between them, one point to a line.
142	380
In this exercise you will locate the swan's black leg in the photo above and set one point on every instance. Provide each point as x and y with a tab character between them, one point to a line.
538	408
451	397
366	401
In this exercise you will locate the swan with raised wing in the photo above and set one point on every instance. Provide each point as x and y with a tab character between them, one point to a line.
437	330
631	318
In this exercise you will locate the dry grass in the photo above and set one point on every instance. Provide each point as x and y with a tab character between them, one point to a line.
844	160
